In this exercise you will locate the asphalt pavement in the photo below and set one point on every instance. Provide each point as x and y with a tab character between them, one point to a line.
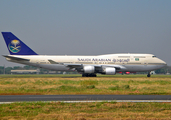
20	98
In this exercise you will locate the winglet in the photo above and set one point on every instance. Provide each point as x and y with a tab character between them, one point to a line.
16	46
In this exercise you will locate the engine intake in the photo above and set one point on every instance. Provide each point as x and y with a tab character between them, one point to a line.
88	69
109	71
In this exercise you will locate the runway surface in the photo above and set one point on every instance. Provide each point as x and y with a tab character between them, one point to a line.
20	98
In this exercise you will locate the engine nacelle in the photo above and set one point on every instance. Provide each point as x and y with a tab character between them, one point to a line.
88	69
110	71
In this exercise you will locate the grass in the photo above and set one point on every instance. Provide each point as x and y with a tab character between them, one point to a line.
78	75
83	111
74	84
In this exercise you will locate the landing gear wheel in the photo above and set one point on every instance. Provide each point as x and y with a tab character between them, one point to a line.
93	75
84	75
148	75
88	75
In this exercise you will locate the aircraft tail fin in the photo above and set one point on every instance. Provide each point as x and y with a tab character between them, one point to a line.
16	46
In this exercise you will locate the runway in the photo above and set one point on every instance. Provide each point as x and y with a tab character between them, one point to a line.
76	98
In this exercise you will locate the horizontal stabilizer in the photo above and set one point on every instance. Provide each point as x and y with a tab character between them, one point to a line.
16	58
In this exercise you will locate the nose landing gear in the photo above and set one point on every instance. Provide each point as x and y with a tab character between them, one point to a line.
148	75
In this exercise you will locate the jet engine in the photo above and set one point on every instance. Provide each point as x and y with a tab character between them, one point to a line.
109	71
88	69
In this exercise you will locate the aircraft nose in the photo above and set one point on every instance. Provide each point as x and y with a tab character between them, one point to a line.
163	62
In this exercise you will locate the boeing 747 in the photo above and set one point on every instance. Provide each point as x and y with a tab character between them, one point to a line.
88	66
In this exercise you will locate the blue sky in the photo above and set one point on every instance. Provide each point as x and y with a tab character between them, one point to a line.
89	27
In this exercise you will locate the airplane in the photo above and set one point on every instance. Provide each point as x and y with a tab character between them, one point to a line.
88	66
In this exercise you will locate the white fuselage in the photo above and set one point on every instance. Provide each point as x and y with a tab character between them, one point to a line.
125	62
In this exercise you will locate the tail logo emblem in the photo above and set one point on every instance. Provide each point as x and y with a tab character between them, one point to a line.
14	46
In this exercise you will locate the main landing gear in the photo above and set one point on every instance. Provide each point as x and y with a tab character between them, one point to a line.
148	75
88	75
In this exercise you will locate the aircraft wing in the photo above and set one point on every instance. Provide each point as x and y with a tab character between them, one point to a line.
66	64
71	65
53	62
15	58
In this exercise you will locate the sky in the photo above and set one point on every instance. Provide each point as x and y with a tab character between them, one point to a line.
88	27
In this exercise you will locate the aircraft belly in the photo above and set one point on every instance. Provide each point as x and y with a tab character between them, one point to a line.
142	68
54	67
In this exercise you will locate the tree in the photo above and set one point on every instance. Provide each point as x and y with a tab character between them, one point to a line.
8	70
1	69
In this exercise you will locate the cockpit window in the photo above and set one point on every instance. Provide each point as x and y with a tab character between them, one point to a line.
154	56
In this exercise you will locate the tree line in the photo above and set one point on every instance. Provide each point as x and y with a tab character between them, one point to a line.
8	69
